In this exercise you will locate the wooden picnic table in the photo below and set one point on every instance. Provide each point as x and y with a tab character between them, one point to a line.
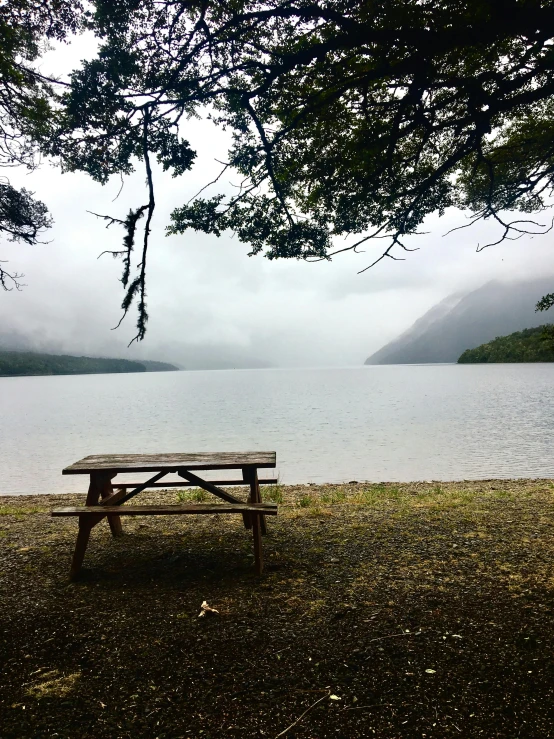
107	499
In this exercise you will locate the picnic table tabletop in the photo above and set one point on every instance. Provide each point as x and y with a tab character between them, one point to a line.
170	461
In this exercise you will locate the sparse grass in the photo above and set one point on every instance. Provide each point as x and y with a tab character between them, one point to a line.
273	493
9	510
196	495
334	496
402	498
53	685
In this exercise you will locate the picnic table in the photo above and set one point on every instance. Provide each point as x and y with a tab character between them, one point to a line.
107	499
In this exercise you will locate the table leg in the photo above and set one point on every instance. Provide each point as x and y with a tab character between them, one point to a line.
259	500
100	485
114	521
83	536
251	475
257	531
257	521
247	477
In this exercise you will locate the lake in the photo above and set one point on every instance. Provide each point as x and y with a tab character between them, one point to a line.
376	423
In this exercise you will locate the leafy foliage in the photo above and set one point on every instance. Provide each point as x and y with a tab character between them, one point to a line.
546	302
529	345
21	216
26	108
349	119
26	114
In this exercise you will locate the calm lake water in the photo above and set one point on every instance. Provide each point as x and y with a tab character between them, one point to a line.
399	423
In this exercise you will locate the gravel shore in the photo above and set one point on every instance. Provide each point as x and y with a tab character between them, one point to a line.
391	610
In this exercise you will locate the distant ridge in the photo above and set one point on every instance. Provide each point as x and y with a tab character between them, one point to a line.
464	321
19	364
150	365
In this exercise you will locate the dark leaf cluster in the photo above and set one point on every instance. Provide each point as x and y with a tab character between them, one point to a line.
27	102
22	218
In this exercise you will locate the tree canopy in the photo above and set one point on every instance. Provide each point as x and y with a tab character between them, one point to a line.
349	118
26	112
529	345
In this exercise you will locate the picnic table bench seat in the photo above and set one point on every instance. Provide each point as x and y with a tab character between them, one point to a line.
106	499
266	509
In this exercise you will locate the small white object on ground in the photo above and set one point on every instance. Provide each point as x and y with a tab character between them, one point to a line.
205	608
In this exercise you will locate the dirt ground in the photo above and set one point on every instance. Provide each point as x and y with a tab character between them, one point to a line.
413	610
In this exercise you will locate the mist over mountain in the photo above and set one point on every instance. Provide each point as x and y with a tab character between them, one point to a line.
153	354
466	320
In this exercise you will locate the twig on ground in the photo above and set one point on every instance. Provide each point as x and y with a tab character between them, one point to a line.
391	636
302	715
373	705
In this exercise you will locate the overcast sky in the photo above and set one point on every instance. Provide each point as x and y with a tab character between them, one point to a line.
209	303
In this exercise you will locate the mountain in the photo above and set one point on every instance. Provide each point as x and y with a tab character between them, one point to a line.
464	321
530	345
17	364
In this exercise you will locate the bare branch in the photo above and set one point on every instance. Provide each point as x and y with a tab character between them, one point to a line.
120	189
111	219
8	277
209	184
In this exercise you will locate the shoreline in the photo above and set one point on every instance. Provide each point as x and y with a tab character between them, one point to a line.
351	487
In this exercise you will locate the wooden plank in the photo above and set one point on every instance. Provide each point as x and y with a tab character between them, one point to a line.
268	509
214	490
186	484
209	486
121	495
170	462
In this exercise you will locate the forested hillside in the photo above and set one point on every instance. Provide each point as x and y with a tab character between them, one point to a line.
30	363
465	321
529	345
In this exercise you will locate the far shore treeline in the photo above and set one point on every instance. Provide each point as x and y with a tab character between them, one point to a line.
529	345
14	364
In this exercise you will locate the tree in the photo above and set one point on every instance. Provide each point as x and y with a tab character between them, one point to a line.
529	345
26	113
349	118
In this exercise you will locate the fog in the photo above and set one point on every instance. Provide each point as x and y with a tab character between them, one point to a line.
211	305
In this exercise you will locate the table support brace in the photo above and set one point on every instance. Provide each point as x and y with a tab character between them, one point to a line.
214	490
